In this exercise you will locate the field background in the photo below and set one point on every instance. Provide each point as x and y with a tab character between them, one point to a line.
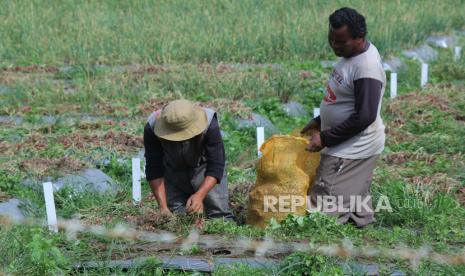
79	78
158	32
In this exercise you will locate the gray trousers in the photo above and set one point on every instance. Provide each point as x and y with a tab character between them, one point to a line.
181	184
348	181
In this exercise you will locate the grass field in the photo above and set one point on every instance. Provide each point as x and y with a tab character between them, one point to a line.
76	89
159	32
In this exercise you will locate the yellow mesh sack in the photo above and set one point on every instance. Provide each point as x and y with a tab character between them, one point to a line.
284	172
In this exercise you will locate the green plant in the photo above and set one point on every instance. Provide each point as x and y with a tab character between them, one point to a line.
220	226
31	250
241	270
44	253
316	226
308	264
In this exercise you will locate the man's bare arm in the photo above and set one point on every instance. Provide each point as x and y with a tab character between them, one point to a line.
158	188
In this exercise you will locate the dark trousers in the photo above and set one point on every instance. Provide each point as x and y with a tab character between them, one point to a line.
346	178
181	184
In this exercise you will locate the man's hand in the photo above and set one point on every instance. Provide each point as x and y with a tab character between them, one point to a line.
165	212
313	124
195	203
315	143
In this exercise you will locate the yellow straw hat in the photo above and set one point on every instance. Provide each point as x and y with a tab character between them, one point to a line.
180	120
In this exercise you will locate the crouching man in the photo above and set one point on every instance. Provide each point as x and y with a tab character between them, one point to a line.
185	160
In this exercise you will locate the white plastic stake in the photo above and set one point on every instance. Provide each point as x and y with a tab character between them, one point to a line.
393	85
316	112
424	74
136	190
260	139
457	51
50	207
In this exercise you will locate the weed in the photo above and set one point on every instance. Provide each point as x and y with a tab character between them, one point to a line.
308	264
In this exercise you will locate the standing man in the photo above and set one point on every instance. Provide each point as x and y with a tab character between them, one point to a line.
351	136
185	160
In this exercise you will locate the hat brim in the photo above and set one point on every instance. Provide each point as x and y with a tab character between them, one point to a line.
163	131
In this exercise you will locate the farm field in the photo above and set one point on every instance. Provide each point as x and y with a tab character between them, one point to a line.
78	80
168	32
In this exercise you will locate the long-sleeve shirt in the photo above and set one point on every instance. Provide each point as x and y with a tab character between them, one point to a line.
214	152
367	98
351	124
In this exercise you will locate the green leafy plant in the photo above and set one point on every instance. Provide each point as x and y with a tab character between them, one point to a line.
308	264
315	225
44	254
